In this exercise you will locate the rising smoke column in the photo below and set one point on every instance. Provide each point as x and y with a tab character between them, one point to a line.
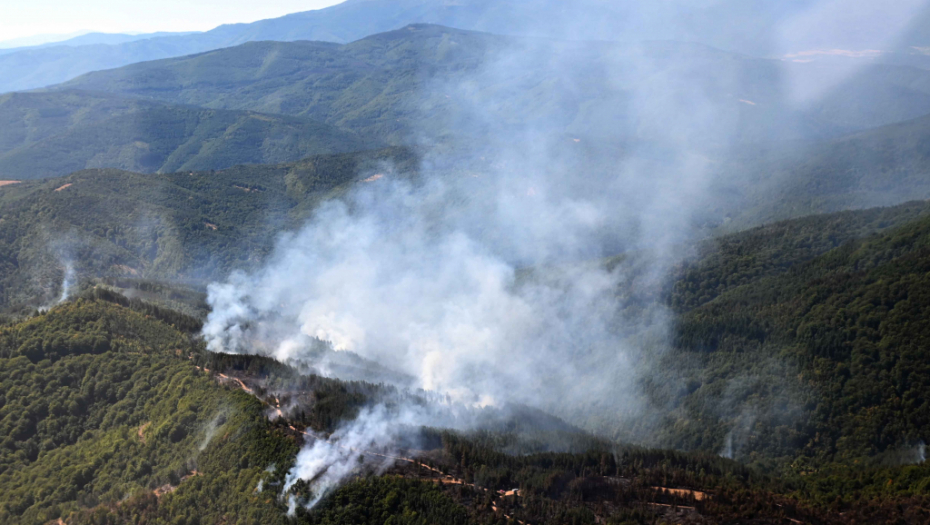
484	279
367	441
68	281
487	288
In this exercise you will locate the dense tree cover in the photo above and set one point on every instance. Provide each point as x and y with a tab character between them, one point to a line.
730	261
309	400
54	134
173	298
388	500
96	405
822	361
878	167
799	348
131	428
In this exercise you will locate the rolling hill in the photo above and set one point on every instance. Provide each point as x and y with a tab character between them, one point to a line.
877	167
188	226
822	357
428	81
53	134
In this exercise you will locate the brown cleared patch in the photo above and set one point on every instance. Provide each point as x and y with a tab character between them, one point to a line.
242	385
169	488
682	493
247	190
210	225
8	182
141	432
374	178
65	186
125	269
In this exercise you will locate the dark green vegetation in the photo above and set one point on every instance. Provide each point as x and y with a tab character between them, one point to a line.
392	501
184	227
52	134
133	429
403	85
101	405
805	342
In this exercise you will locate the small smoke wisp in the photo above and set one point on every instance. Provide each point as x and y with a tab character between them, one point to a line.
919	453
210	431
68	282
363	444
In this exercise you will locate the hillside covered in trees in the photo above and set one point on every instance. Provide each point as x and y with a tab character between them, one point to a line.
139	424
351	266
54	134
182	227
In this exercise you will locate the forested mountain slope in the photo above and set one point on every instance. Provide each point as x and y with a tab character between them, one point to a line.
744	335
53	134
823	359
183	226
877	167
415	82
101	406
108	222
139	425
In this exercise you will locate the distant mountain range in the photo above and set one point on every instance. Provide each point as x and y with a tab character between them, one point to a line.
270	102
407	83
755	27
84	39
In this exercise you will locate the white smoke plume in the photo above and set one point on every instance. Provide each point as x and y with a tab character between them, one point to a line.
366	443
68	281
489	289
210	431
484	276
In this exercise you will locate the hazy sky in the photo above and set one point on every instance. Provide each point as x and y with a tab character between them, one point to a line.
23	18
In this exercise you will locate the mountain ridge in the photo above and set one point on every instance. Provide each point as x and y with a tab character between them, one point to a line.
401	84
717	25
53	134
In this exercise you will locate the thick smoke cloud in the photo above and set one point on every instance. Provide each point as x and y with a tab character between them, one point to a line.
483	277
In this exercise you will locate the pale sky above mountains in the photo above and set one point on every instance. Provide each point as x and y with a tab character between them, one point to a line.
20	19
